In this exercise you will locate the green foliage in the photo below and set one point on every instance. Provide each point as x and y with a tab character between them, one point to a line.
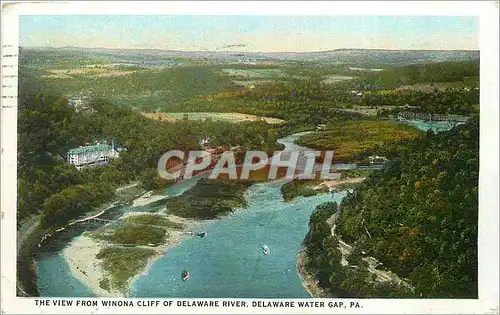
138	235
48	128
123	263
26	271
137	87
209	199
301	187
324	260
355	174
449	101
142	229
72	202
347	186
355	140
421	215
361	284
321	247
430	72
104	284
49	116
421	211
154	220
319	230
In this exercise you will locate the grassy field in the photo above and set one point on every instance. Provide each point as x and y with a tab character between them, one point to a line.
229	117
356	139
252	83
89	72
132	238
331	79
122	264
141	88
153	219
254	73
143	229
138	235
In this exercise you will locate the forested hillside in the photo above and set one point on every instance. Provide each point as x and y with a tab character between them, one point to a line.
419	73
418	217
48	128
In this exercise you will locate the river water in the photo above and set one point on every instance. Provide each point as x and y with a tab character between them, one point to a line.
54	276
436	126
228	262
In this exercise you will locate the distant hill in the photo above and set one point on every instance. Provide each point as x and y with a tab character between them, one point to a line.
393	57
340	56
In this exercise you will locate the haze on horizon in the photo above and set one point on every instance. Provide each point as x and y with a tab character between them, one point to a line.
256	33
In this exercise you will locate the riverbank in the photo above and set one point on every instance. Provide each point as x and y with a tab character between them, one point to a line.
26	247
233	244
30	237
147	198
370	280
175	237
310	187
336	183
82	258
309	281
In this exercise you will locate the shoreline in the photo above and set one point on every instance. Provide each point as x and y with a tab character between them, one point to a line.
334	183
30	240
143	200
175	238
308	280
162	251
84	249
77	255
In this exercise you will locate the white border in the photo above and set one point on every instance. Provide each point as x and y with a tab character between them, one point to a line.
488	192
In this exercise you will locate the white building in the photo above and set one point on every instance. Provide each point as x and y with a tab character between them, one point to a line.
92	155
320	127
79	103
377	159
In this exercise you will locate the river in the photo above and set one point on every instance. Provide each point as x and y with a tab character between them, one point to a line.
435	126
54	276
227	263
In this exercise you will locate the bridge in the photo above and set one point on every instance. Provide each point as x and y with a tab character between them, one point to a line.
105	221
95	220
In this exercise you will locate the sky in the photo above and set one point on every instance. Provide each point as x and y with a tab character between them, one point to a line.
257	33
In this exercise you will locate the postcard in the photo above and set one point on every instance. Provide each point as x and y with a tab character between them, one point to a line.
249	157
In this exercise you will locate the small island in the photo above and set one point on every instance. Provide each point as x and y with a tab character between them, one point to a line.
123	249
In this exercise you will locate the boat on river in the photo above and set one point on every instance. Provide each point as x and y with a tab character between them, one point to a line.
266	250
185	275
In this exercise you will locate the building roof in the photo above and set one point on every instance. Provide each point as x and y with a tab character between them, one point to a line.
90	148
